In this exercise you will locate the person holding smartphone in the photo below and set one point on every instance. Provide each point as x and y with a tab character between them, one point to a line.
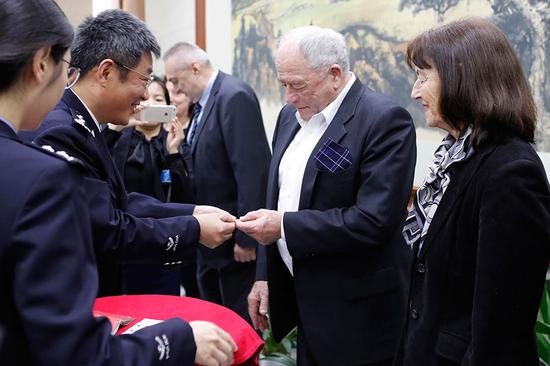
184	107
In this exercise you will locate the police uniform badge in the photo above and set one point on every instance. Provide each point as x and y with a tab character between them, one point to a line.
78	119
47	149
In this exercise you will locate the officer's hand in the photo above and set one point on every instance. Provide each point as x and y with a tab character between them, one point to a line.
215	228
214	345
258	305
203	209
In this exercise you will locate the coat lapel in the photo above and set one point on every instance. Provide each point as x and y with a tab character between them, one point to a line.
459	182
336	132
207	109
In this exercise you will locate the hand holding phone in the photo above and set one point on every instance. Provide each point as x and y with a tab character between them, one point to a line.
158	113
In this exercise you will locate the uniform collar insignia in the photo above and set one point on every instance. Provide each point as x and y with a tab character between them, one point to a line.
80	120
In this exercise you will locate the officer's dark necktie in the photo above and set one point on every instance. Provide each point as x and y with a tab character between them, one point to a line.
194	123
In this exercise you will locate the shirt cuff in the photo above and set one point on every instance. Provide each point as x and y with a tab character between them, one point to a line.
283	226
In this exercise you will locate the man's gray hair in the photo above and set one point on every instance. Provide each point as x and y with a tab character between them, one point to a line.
321	47
186	54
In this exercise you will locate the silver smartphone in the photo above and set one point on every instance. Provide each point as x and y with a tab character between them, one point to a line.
158	113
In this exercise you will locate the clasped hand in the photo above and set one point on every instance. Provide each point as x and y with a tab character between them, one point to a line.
216	225
262	225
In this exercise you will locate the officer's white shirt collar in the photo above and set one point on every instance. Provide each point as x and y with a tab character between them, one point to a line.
88	109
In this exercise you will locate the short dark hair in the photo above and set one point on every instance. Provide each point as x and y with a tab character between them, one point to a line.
114	34
25	27
482	83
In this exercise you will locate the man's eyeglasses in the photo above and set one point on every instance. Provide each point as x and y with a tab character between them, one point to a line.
147	79
73	73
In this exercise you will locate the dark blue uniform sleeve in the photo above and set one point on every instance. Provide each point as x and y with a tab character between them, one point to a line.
55	282
141	205
125	237
139	229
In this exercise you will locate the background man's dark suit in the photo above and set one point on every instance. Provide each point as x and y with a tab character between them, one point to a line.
477	283
230	158
126	227
48	280
347	295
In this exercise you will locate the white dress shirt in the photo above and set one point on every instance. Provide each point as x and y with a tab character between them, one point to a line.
294	161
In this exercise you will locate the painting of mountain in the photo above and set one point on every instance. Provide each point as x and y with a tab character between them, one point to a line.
377	32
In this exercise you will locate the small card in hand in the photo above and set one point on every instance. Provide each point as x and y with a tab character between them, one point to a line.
116	320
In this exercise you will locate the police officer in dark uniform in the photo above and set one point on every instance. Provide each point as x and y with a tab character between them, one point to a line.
114	53
48	279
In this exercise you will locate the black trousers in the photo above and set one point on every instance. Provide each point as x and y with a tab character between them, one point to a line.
228	286
305	357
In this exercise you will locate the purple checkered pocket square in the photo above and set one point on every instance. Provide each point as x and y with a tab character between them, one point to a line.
332	157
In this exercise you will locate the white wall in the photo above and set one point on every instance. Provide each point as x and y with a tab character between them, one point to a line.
170	21
101	5
76	11
218	33
173	21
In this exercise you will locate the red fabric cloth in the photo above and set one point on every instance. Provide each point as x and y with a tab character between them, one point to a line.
163	307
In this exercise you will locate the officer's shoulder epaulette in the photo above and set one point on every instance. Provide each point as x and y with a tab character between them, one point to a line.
80	122
47	149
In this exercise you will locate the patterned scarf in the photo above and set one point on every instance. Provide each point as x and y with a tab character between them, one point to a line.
428	196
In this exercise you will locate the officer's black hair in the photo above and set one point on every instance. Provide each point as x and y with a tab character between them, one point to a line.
25	27
112	34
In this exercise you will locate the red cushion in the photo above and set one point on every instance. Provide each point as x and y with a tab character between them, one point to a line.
163	307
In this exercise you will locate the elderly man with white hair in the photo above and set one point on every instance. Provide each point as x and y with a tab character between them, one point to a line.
333	260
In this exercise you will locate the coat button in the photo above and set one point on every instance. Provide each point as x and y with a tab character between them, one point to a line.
414	314
421	268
